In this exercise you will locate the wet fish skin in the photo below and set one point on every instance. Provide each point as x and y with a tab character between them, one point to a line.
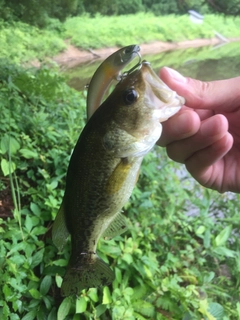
108	70
103	170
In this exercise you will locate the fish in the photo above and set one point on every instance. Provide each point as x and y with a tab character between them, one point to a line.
103	170
108	70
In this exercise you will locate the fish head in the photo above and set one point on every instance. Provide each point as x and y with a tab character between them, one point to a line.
134	110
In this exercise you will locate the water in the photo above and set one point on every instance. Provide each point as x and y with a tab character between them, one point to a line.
205	63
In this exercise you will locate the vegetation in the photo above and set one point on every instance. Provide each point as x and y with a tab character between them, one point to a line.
39	13
179	259
21	42
132	29
36	12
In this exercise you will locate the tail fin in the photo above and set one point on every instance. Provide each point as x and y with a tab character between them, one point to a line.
91	272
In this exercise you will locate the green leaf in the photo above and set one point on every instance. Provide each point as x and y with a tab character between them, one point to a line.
100	309
37	258
203	309
48	302
30	315
145	308
60	262
35	209
58	280
223	251
238	309
81	305
64	308
28	223
128	291
207	239
127	257
52	315
139	292
138	316
29	154
7	167
92	294
106	296
41	314
223	236
208	277
45	285
35	293
118	275
216	310
200	230
9	144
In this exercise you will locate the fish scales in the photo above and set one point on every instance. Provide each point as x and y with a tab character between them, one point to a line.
103	170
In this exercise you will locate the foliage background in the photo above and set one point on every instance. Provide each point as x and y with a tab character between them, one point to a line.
180	257
22	43
39	12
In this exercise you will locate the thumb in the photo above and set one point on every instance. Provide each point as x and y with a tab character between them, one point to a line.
221	95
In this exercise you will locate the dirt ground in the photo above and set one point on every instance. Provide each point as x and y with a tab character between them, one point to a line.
73	56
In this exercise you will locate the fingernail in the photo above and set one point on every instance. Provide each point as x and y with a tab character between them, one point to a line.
176	75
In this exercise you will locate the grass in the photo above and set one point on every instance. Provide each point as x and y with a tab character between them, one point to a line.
144	28
20	42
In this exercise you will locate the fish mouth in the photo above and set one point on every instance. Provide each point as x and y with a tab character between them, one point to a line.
165	101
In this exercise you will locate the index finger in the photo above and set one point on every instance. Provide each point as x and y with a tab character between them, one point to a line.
182	125
220	95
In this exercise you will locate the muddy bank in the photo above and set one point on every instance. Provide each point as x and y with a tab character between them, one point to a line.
73	56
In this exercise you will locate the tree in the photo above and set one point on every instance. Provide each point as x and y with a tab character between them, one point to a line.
37	12
230	7
161	7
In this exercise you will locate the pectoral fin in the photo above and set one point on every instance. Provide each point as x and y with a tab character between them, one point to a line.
118	176
116	227
60	232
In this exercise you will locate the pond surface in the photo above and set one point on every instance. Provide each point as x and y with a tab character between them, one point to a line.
205	63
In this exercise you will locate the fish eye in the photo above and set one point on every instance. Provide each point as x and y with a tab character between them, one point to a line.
130	96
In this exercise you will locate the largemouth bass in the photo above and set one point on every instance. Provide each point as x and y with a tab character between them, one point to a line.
103	170
108	70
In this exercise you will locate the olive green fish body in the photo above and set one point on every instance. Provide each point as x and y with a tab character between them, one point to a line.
98	215
103	170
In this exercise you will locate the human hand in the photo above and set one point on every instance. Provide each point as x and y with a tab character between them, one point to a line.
205	134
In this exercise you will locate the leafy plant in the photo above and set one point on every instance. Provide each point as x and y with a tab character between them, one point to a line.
128	29
21	42
179	258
